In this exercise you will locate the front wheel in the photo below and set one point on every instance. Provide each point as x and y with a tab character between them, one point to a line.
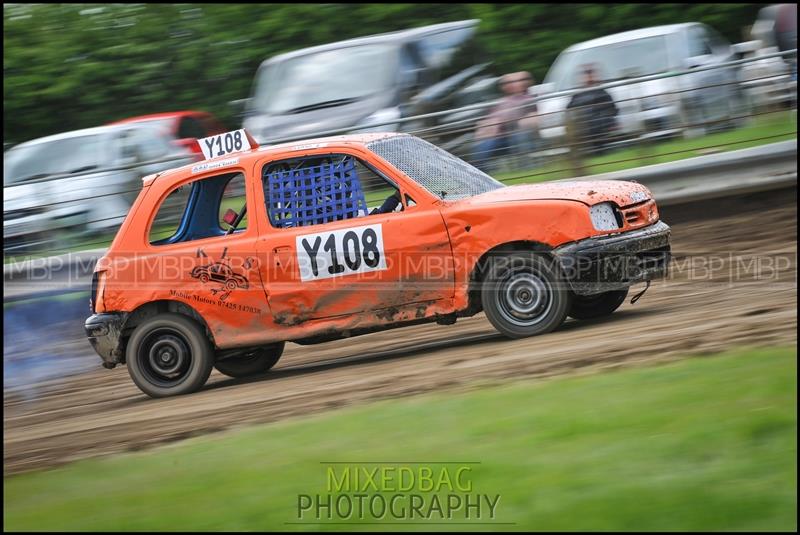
168	355
586	307
252	362
525	295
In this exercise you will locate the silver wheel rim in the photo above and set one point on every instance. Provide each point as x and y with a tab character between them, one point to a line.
525	298
165	357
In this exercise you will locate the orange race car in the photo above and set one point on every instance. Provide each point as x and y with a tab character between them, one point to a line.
219	263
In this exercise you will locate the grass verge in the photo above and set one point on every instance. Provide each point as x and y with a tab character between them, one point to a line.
702	444
764	129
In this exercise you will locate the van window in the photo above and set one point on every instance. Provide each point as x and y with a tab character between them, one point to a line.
699	44
450	52
325	79
628	59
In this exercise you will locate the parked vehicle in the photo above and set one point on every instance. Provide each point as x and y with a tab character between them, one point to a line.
84	180
767	83
185	126
776	26
689	104
362	82
774	80
314	263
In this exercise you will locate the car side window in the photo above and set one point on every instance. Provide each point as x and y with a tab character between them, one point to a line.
314	190
190	127
201	209
153	146
143	144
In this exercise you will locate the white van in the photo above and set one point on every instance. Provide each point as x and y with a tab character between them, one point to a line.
705	100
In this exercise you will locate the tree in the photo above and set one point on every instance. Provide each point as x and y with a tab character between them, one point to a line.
69	66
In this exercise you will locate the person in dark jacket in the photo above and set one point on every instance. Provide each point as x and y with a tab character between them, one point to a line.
591	115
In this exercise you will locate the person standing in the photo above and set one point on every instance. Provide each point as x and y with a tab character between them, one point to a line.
512	125
591	118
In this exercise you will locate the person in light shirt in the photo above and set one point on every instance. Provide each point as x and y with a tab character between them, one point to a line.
511	126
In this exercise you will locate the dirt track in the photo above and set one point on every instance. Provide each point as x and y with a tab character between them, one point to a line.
102	411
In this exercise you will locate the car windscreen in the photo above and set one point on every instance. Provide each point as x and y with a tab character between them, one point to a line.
63	156
617	61
438	171
323	79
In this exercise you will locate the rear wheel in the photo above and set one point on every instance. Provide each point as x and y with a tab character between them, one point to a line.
586	307
251	362
168	355
524	295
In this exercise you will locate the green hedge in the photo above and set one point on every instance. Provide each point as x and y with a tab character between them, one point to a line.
72	66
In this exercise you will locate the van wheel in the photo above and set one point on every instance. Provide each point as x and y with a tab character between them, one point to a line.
586	307
525	295
251	362
169	355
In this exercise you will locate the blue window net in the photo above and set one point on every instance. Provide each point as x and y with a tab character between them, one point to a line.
313	194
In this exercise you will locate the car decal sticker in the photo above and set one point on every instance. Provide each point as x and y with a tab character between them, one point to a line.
222	144
199	168
340	252
221	275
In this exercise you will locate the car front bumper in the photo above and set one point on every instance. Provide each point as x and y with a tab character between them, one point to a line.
105	334
616	261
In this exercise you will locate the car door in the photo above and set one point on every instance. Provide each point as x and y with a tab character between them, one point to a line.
192	253
345	262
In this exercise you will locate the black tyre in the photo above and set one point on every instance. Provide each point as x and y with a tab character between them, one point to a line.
252	362
169	355
524	295
585	307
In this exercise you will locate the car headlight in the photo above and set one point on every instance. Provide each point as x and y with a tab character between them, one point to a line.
378	118
604	216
